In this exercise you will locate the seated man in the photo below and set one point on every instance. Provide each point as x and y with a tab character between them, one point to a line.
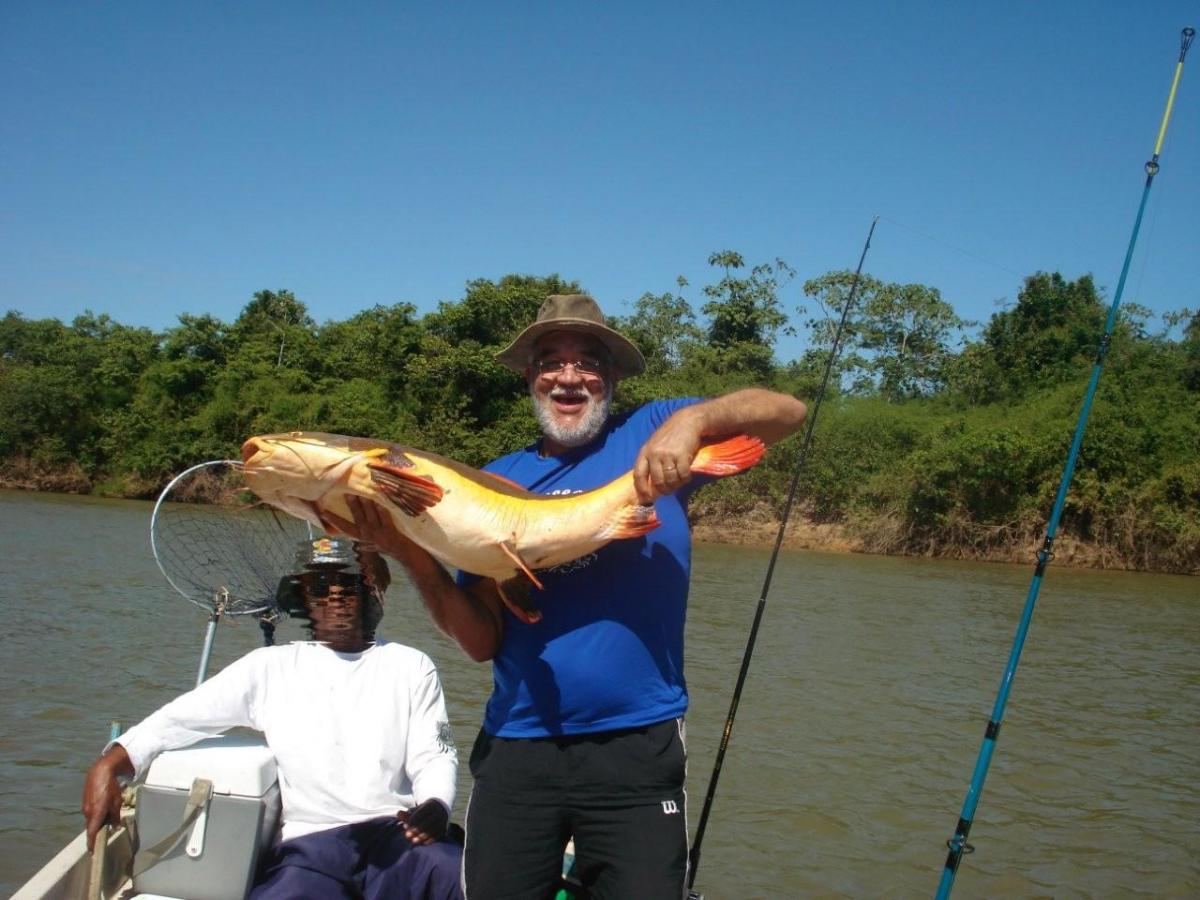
366	761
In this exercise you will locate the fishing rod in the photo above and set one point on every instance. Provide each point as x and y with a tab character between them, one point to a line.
958	844
694	854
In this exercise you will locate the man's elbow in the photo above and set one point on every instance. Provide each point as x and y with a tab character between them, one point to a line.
481	654
782	418
480	644
795	412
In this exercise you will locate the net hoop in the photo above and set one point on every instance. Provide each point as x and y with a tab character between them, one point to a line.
238	567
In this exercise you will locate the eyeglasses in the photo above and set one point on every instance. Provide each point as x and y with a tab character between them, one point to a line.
584	366
309	588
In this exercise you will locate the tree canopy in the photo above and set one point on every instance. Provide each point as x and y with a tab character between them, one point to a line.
934	440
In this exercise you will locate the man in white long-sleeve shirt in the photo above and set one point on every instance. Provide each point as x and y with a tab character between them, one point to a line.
359	730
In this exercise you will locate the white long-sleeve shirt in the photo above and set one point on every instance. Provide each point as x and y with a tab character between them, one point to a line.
355	735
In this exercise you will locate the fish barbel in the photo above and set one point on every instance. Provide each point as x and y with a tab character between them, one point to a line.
469	519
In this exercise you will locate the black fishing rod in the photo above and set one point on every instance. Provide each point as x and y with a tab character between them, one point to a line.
694	854
958	844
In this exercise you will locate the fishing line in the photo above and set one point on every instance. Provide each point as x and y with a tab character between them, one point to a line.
1143	267
694	853
958	844
932	239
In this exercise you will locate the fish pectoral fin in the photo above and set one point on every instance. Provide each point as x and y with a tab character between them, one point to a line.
322	518
412	493
630	521
512	554
515	592
729	456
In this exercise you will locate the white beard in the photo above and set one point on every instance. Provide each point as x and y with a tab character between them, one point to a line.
586	430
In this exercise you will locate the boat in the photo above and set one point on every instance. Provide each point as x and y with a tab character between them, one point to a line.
194	829
73	873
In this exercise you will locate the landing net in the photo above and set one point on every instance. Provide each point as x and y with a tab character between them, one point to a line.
217	545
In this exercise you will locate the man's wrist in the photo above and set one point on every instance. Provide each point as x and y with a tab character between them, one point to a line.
115	760
441	802
693	416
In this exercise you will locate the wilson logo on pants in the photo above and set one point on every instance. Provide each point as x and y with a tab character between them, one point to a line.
670	807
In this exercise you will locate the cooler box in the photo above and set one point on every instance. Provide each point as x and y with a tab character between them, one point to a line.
216	856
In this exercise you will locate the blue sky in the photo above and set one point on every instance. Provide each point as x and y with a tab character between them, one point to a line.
160	158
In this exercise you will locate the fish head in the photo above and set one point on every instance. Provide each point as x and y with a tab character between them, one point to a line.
293	470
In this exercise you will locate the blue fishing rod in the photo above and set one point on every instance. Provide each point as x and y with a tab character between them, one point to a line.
694	854
958	844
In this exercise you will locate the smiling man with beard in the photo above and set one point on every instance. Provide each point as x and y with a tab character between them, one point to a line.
571	411
583	734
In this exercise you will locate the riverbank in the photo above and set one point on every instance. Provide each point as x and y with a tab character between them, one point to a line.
883	536
18	477
803	535
757	529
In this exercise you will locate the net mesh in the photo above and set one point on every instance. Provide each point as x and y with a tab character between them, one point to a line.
217	545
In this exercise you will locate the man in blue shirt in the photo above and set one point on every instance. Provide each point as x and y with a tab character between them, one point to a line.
583	734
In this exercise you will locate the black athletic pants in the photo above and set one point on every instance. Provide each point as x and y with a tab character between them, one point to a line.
619	793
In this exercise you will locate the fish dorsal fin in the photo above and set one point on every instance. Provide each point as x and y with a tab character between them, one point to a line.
515	592
412	493
729	456
507	482
629	521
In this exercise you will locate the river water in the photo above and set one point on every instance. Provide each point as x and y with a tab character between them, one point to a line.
855	741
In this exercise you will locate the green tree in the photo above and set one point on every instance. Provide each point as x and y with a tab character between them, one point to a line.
60	382
897	338
194	355
455	372
202	338
744	314
492	313
46	415
119	357
1191	349
664	328
1049	336
35	342
275	327
374	344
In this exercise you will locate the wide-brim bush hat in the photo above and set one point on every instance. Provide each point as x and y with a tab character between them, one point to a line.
573	312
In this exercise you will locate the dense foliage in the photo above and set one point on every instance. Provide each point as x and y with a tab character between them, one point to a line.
929	441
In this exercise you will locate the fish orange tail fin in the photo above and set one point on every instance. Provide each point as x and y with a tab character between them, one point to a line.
729	455
629	521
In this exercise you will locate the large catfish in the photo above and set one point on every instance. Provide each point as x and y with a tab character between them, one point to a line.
469	519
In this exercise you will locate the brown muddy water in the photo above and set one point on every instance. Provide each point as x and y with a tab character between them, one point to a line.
854	744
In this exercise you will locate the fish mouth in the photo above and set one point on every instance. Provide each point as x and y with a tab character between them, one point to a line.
296	454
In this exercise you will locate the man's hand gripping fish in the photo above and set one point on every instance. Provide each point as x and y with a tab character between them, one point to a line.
468	519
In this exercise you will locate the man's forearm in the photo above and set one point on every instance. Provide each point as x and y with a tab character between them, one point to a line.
464	614
116	761
769	415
